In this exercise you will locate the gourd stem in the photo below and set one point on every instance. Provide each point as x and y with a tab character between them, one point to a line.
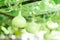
19	14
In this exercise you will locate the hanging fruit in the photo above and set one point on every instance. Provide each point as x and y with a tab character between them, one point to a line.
19	21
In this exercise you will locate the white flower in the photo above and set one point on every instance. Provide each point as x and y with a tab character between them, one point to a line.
27	36
2	36
40	35
52	25
13	36
55	35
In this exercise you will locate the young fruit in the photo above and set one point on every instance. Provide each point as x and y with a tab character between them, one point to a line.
33	27
19	21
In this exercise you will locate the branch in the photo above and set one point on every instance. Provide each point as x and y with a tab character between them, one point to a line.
31	1
11	17
23	3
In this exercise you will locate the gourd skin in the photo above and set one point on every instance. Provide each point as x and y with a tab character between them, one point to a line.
33	28
19	21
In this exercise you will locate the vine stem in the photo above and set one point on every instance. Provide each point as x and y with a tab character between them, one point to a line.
5	14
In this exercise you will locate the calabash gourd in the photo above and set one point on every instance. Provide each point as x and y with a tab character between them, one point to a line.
33	27
19	21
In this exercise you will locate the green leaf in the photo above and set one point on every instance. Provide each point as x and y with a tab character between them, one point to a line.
57	1
4	30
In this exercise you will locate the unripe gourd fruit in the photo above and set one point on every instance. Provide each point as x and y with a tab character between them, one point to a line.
33	27
19	21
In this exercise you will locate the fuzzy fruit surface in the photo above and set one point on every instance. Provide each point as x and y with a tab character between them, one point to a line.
19	21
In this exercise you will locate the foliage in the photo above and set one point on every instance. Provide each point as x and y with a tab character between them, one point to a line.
42	12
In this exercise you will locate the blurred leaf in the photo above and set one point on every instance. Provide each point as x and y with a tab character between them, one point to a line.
1	18
4	30
57	1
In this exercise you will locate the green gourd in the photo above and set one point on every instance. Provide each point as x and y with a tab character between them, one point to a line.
19	21
33	27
